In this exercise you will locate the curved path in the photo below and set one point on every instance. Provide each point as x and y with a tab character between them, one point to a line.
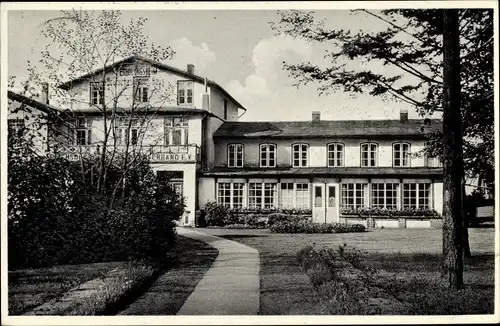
231	285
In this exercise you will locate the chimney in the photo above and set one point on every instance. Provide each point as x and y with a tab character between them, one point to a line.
403	115
44	95
316	116
190	69
205	98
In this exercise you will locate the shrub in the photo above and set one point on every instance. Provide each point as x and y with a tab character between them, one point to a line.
265	211
200	218
56	216
216	215
306	226
389	213
219	215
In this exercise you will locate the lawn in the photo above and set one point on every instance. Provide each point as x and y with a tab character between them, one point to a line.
29	288
408	262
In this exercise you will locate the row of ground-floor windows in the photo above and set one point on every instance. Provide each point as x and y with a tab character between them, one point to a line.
386	195
298	195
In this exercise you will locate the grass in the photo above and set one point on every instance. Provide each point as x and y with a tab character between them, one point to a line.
415	279
29	288
168	293
109	288
401	256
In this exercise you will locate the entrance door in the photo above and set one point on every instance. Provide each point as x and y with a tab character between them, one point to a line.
332	205
318	210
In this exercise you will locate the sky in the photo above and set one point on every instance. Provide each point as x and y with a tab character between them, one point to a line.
238	50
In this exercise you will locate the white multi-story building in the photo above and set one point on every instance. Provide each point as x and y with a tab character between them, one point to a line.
189	126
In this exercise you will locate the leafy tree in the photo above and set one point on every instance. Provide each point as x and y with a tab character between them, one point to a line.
412	45
83	43
108	203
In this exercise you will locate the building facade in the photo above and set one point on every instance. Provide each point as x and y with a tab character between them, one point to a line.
188	126
334	168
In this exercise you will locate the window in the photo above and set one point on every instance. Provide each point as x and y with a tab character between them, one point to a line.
83	131
184	92
178	187
224	194
369	154
237	195
416	195
432	162
294	195
287	195
128	130
318	196
141	89
262	195
302	195
335	154
15	128
353	195
299	155
235	155
176	131
255	195
401	154
385	195
267	155
96	93
269	195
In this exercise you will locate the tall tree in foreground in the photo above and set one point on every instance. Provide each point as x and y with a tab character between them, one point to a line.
453	222
412	46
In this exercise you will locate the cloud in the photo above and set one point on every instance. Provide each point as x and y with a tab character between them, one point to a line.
187	52
268	77
268	92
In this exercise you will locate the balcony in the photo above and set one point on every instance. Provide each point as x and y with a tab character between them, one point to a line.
156	153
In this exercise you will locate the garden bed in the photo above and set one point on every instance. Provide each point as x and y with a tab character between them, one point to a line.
100	296
381	221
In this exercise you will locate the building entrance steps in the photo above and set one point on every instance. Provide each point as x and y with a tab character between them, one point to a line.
231	285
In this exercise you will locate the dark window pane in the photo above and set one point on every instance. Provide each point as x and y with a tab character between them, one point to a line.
176	137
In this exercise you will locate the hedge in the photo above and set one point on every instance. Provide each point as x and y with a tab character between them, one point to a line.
215	215
58	217
311	227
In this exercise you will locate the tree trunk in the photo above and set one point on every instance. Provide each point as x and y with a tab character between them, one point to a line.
452	154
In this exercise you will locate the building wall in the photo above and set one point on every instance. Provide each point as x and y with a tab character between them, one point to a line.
189	188
206	191
438	196
163	93
318	153
35	123
208	185
217	105
153	129
212	125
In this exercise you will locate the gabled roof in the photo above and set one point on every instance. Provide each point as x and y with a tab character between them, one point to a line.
157	64
322	129
47	108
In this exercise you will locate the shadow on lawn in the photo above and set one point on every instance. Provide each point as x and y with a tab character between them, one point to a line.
241	236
